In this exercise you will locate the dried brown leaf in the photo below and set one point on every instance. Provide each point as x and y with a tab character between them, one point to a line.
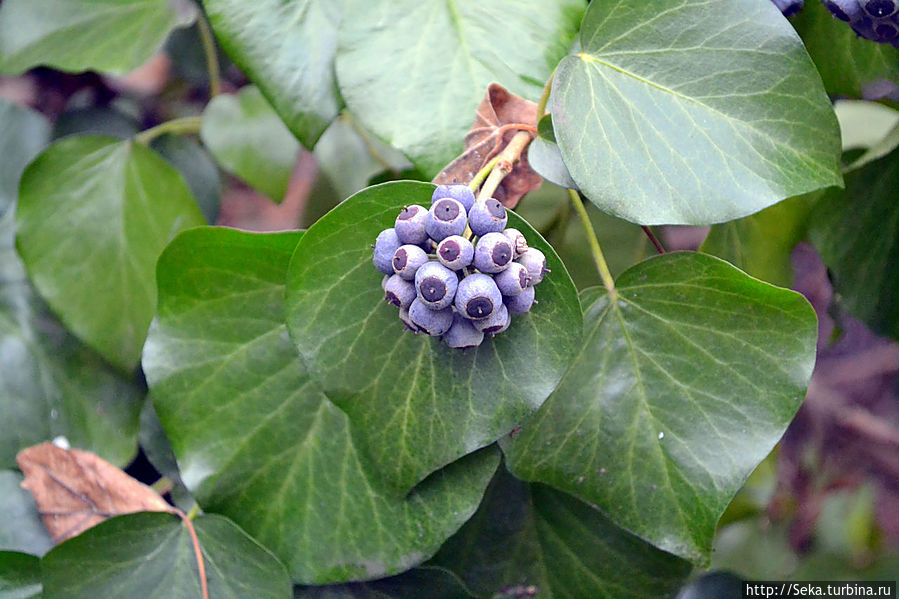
500	115
75	490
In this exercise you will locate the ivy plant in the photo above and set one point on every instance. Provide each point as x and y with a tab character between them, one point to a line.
321	450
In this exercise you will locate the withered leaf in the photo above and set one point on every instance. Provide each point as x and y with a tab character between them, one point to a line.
75	490
499	117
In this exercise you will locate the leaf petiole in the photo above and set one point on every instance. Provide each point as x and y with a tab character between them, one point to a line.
603	268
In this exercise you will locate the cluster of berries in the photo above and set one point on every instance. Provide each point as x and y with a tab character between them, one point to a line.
455	270
875	20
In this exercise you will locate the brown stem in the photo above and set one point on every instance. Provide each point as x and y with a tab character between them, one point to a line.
659	248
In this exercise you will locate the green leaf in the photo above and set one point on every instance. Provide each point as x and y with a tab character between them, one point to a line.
849	65
50	384
423	101
23	135
150	554
687	379
531	535
247	138
863	124
761	244
414	403
20	576
430	582
198	169
80	35
108	121
287	48
665	117
855	232
94	214
21	528
275	455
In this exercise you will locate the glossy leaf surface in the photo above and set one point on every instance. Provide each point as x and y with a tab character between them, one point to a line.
423	101
685	382
79	35
287	48
94	214
529	535
150	555
274	453
51	384
20	576
665	117
414	403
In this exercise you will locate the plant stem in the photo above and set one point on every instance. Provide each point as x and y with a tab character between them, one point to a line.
482	174
505	162
544	97
659	248
193	511
212	57
603	268
183	126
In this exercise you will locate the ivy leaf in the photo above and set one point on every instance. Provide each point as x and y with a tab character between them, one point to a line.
21	528
761	244
854	231
414	403
94	214
80	35
23	135
529	535
849	65
50	383
275	455
147	553
247	138
666	118
422	102
430	582
287	48
687	379
20	575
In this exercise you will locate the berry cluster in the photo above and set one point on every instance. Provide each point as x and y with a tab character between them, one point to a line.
455	270
876	20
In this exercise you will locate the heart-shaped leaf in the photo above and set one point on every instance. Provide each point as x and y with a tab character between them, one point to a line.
80	35
22	136
274	454
20	575
850	66
247	138
855	232
50	383
423	101
94	213
688	377
692	112
287	48
414	403
21	528
150	554
529	535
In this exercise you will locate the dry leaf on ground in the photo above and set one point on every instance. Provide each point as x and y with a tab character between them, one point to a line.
499	117
75	490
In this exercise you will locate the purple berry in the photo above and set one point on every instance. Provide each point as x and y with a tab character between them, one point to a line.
535	262
495	323
410	225
385	246
513	280
521	303
433	322
493	253
487	216
462	333
436	285
455	252
458	192
399	291
477	296
407	259
446	217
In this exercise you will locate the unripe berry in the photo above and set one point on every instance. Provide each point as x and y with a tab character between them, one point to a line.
410	225
455	252
407	259
446	217
399	291
462	333
477	296
385	246
459	192
436	285
433	322
487	216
